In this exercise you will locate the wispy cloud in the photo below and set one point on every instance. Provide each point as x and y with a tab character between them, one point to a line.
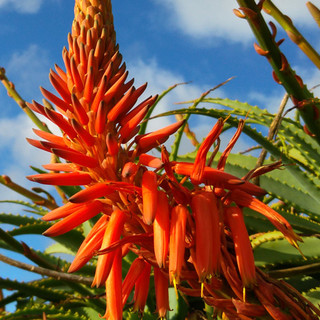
160	79
21	6
213	19
29	69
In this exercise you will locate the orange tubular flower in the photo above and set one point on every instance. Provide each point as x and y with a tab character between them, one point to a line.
162	295
161	229
90	245
219	179
149	196
132	276
242	246
179	216
201	157
207	234
245	200
114	288
141	289
75	219
112	234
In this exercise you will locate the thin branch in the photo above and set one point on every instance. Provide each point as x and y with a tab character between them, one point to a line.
48	203
12	92
274	127
46	272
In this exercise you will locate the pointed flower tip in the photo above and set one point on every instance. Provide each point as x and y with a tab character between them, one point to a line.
62	179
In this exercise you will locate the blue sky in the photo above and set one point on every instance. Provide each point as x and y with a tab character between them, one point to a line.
162	41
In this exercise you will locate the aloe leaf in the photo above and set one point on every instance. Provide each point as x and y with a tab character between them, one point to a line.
11	298
298	139
313	295
15	219
92	314
33	289
72	239
35	208
36	312
272	254
59	248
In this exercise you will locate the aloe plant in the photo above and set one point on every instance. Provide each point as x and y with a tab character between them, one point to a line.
293	191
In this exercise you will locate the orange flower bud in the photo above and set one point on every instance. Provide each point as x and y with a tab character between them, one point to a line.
150	140
201	157
76	157
149	196
112	144
133	274
150	161
162	296
90	245
219	179
141	289
246	200
111	235
242	245
62	179
114	288
75	219
207	234
179	216
161	228
129	170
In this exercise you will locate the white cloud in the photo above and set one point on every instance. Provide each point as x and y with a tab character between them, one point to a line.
214	19
19	154
160	79
28	69
22	6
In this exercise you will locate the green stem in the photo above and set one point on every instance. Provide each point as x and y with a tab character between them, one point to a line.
6	181
292	32
21	102
300	95
315	12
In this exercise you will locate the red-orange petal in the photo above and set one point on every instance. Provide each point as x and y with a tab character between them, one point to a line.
161	229
93	192
62	179
150	140
76	157
62	211
90	245
75	219
220	179
59	167
111	235
207	234
242	245
246	200
114	289
201	157
162	294
141	288
149	196
150	161
179	216
133	274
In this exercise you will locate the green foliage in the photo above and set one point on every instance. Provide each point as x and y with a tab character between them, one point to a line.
293	191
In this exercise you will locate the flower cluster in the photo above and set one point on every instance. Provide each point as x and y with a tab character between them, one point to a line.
191	235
